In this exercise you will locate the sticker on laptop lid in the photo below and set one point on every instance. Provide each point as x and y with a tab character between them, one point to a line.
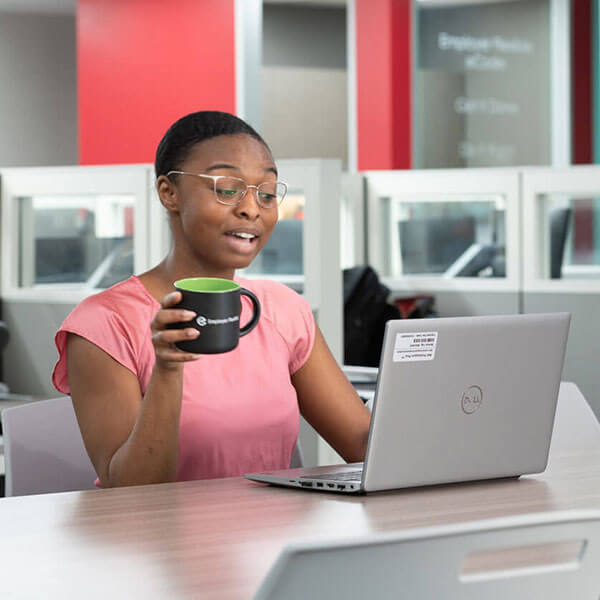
411	347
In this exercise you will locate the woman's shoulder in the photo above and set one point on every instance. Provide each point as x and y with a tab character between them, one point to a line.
116	320
128	297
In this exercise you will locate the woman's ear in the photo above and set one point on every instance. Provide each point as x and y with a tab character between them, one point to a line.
167	193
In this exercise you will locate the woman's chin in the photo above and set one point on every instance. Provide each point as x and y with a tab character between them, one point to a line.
243	263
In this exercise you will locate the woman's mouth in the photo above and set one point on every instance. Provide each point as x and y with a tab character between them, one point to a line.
242	241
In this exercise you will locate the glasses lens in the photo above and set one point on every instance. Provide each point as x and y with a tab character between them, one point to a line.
229	190
271	194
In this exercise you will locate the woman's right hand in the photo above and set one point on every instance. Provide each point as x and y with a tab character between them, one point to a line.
168	356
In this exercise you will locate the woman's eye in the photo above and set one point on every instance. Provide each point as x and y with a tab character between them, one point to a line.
265	197
227	193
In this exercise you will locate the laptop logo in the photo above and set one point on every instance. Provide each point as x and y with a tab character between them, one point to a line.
471	399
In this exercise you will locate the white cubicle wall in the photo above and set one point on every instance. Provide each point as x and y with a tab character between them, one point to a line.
452	233
548	229
63	231
561	266
68	232
346	220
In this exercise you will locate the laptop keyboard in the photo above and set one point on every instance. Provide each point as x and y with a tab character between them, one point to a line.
347	476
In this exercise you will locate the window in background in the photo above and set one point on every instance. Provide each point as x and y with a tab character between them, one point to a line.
75	241
571	239
451	238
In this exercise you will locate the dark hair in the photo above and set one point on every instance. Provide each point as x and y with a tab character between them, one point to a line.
192	129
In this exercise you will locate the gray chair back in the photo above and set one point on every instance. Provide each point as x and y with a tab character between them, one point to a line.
297	459
43	449
517	558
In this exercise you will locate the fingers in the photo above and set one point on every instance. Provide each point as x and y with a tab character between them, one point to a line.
164	339
171	299
164	344
166	316
170	336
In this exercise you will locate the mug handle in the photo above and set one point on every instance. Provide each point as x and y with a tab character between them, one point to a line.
248	327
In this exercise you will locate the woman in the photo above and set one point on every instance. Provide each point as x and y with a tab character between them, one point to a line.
149	412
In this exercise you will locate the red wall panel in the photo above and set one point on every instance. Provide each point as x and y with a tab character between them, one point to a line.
141	64
384	83
581	65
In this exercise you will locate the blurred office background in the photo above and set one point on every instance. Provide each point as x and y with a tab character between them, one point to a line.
450	144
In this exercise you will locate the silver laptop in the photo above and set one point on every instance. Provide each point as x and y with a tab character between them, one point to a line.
457	399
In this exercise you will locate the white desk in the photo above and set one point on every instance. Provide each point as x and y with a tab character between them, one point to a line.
217	539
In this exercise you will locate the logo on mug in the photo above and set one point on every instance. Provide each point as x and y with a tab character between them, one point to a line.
203	321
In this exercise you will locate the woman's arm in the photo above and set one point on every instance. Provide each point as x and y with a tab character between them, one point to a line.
131	439
330	403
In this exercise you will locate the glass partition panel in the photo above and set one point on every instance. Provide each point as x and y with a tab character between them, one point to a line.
83	241
570	240
484	82
444	236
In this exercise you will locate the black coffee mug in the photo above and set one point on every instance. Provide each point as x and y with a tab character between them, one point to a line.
217	304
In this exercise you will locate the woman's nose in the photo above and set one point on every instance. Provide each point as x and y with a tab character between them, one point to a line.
248	205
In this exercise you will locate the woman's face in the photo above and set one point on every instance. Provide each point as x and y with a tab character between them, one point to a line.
220	237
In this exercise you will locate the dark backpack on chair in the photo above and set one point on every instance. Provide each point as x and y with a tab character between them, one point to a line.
366	311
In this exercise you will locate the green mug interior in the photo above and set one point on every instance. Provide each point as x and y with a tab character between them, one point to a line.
206	284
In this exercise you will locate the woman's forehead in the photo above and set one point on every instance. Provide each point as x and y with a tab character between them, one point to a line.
240	150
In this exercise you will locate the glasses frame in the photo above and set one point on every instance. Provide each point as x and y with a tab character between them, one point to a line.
216	178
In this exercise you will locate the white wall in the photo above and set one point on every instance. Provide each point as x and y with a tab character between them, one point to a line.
38	98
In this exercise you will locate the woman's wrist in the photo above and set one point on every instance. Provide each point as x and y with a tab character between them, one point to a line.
168	368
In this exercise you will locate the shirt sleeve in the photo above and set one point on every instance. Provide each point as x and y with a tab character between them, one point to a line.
96	321
294	320
303	340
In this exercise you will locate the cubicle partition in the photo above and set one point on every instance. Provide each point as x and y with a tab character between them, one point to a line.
66	233
561	266
481	241
451	233
493	241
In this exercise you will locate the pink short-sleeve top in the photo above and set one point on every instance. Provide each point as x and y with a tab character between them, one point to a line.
239	409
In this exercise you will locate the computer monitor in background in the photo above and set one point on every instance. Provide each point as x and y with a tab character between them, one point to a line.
432	245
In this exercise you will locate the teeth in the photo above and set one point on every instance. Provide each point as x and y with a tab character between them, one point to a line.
246	236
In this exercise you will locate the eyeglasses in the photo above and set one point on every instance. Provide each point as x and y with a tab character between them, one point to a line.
231	190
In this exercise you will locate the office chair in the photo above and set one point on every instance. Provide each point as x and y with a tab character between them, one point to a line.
297	460
560	219
453	562
43	449
4	339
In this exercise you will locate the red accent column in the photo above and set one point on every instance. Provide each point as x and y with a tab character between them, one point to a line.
581	81
581	111
384	83
142	64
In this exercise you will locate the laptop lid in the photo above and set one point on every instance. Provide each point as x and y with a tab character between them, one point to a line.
464	398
